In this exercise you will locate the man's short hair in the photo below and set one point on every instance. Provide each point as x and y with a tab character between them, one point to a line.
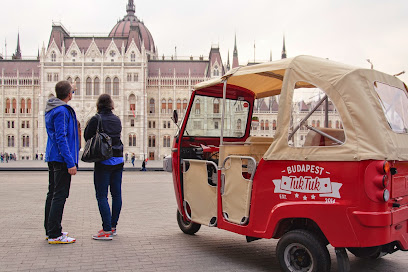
62	89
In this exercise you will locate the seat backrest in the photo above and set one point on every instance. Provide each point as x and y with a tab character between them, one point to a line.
227	150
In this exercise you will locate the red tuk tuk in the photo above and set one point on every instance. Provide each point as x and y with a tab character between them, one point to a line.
335	172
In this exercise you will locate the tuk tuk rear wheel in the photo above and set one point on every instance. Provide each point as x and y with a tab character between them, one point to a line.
186	226
301	250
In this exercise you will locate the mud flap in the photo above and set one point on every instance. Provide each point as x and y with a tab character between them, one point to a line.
343	262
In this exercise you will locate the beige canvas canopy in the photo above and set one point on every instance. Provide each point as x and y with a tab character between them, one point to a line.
368	134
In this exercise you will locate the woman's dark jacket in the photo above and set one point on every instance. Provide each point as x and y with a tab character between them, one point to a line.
111	125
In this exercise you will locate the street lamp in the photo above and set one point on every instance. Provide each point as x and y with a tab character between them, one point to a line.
369	61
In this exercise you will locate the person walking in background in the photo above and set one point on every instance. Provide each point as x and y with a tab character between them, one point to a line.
62	157
133	159
143	166
107	173
126	157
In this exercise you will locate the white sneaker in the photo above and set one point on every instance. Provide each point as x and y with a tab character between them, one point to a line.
61	240
64	233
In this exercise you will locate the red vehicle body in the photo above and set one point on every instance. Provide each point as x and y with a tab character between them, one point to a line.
359	203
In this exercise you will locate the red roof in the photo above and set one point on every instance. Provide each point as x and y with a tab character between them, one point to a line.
196	68
24	67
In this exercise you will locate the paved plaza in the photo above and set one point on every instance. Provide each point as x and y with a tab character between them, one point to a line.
148	236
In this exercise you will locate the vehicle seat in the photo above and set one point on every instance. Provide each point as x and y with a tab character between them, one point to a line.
253	146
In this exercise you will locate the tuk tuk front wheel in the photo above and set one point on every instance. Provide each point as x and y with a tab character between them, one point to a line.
186	226
301	250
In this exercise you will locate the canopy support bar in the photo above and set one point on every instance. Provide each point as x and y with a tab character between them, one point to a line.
224	97
325	135
307	117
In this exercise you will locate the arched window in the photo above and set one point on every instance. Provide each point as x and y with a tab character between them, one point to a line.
22	106
26	141
132	103
10	141
108	85
262	125
132	140
267	125
274	124
116	86
318	123
314	123
179	105
166	141
151	106
69	79
97	86
78	86
88	86
152	141
7	106
53	56
197	107
184	104
337	124
163	106
170	106
216	107
330	123
239	122
14	106
28	105
133	57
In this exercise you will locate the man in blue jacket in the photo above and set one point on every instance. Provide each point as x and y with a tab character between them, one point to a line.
62	157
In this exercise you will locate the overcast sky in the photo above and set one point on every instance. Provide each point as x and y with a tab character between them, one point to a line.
348	31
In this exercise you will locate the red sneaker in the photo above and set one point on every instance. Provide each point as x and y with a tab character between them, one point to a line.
103	235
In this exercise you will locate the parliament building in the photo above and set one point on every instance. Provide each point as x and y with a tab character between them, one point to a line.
145	87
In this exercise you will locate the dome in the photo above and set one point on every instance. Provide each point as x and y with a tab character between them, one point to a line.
130	27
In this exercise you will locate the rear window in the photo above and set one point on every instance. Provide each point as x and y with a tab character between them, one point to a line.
394	102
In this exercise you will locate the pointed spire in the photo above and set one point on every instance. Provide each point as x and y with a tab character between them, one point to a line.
235	47
228	62
284	48
235	62
17	55
130	8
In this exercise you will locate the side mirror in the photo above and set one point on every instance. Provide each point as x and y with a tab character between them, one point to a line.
175	117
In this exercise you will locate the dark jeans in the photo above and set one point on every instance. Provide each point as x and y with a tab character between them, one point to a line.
103	179
58	192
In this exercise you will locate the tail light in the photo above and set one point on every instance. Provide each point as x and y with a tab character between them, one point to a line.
386	167
377	180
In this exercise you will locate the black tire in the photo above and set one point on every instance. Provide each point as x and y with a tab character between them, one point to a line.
302	250
187	227
367	252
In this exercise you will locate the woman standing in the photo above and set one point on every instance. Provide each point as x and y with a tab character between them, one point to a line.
108	173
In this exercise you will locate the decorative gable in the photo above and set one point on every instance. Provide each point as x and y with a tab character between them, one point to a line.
112	54
93	54
133	54
73	53
53	53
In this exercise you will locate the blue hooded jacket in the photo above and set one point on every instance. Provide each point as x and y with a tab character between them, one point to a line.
62	130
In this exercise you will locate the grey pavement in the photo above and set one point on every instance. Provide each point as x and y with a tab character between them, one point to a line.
40	165
148	236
